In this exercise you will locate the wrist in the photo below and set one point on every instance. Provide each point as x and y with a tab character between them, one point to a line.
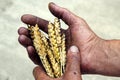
106	58
93	56
98	57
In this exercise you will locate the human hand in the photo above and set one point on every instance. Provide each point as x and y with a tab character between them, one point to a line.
92	48
72	68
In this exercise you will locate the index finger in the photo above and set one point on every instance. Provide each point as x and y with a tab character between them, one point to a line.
33	20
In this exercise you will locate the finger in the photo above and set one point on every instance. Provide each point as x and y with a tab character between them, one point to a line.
39	74
23	31
24	40
73	64
68	17
33	20
33	55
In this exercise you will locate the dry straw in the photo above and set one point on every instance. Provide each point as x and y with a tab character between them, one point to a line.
52	50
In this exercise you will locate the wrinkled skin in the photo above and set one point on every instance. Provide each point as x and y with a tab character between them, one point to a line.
92	48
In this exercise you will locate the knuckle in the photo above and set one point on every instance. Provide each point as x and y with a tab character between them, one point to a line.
22	30
65	9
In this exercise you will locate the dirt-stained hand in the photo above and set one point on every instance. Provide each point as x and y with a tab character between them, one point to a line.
92	48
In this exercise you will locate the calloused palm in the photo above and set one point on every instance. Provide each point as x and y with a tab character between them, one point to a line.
78	34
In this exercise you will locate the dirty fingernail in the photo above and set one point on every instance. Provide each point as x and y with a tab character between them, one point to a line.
74	49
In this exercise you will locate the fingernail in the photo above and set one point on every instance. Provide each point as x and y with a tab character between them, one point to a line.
52	3
74	49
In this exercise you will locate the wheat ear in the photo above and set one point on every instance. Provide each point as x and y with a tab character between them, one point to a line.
63	51
55	65
59	40
53	41
40	48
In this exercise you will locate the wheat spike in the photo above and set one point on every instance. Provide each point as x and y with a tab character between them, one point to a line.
59	40
57	31
40	48
63	51
55	65
53	41
61	43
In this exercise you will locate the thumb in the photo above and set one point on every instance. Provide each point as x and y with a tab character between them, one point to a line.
76	24
39	73
73	64
68	17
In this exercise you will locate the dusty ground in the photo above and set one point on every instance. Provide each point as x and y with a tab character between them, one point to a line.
103	16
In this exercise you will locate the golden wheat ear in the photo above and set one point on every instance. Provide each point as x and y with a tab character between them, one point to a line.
37	39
